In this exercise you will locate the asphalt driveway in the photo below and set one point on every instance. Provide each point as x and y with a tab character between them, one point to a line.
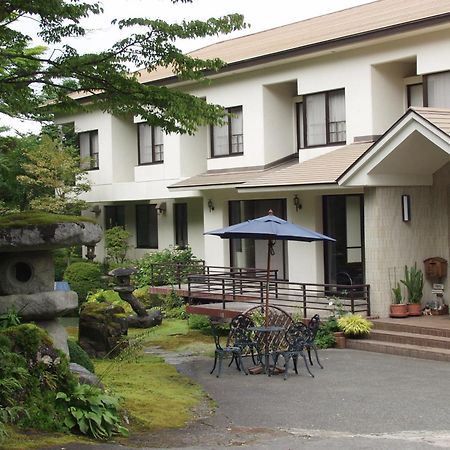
360	400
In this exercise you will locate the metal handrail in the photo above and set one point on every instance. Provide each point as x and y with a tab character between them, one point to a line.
306	296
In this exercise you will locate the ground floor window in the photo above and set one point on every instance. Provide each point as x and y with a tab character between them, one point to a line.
252	253
181	224
114	216
344	220
146	226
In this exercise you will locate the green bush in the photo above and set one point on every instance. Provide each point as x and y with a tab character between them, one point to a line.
166	267
116	243
92	412
31	372
199	322
63	257
178	312
84	277
79	356
149	300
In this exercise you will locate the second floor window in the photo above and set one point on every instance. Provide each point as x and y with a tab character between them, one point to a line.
151	144
88	142
437	90
228	139
321	119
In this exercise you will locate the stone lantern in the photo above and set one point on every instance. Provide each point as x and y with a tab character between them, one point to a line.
27	272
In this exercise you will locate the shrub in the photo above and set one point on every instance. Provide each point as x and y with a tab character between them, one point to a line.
92	412
166	267
324	338
79	356
176	313
84	277
199	322
354	325
116	243
149	300
63	257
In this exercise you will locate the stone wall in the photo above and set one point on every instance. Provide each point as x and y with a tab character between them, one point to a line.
392	243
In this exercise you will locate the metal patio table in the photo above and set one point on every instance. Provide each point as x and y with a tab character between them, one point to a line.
265	331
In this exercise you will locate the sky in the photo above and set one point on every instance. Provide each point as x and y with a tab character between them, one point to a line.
259	14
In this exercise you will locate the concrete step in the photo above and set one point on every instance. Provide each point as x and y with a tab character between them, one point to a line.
408	328
401	337
415	351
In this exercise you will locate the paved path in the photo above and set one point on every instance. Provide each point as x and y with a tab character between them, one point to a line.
359	401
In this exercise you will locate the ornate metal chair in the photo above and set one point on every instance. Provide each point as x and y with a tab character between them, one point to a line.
222	352
313	327
295	336
241	336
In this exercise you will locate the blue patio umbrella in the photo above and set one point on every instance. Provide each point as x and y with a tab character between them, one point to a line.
270	228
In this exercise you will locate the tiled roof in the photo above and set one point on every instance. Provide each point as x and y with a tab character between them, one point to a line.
438	117
224	178
359	21
325	169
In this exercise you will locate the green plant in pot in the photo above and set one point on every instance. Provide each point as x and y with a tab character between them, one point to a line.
414	287
398	308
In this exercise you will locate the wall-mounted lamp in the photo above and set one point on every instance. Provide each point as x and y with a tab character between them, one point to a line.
210	205
297	203
161	208
406	208
96	210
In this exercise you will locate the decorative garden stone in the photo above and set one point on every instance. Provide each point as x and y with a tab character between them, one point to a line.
84	375
101	329
28	274
125	290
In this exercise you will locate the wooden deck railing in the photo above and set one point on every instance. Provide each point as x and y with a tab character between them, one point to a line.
179	272
307	297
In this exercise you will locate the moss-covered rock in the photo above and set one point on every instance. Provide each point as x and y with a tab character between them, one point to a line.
101	328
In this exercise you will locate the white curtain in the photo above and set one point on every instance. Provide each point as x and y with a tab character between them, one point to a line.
220	140
315	120
85	150
438	89
237	133
145	143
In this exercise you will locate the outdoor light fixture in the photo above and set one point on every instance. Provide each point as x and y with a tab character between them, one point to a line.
406	208
210	205
161	208
297	203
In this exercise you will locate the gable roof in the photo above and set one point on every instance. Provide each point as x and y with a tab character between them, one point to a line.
367	21
432	125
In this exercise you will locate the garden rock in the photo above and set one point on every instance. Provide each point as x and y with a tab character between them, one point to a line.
153	319
84	375
101	328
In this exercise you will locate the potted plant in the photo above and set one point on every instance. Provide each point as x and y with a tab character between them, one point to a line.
355	325
398	308
414	286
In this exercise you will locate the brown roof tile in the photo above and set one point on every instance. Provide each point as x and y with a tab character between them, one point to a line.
438	117
357	21
325	169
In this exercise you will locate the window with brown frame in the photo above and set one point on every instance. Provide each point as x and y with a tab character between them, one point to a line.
436	93
321	119
88	144
228	139
151	144
181	224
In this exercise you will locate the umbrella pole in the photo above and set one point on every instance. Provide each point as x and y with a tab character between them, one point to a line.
270	245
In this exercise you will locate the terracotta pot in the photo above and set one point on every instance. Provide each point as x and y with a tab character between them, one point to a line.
414	309
339	336
398	310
